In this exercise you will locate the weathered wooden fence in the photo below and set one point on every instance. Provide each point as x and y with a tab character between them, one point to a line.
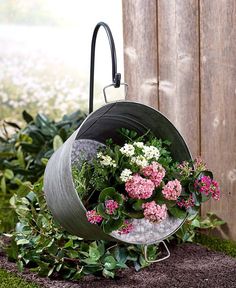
180	57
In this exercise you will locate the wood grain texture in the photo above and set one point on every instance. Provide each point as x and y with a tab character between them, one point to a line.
189	46
178	39
218	111
140	50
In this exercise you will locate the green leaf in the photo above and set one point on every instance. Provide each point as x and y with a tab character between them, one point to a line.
112	224
177	212
137	206
191	187
20	266
101	211
9	174
196	223
22	241
94	253
109	263
3	185
69	244
79	274
120	254
205	173
110	193
57	142
106	192
51	271
27	117
197	199
108	274
31	196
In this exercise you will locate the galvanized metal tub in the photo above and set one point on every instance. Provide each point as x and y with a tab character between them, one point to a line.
62	198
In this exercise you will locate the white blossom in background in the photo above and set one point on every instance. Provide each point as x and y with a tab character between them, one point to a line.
125	175
35	83
127	150
151	152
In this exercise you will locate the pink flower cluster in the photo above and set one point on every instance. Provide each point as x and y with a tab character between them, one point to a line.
111	206
139	188
154	172
186	203
93	217
172	190
153	212
126	228
208	186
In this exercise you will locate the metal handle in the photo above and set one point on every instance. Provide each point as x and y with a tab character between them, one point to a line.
104	90
158	260
115	76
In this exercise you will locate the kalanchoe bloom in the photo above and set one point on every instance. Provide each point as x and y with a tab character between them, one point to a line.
151	152
154	212
140	161
93	217
172	190
139	144
106	160
208	186
125	175
186	203
127	150
139	188
111	206
126	228
199	165
154	172
185	169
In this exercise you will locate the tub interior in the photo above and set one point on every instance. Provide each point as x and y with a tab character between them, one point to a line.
105	123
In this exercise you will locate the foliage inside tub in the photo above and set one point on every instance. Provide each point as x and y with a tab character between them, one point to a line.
141	180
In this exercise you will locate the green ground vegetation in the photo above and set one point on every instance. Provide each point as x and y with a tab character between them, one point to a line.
216	244
9	280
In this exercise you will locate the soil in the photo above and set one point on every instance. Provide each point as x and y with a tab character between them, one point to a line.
189	266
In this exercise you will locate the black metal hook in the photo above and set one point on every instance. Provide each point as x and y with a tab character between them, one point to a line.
116	77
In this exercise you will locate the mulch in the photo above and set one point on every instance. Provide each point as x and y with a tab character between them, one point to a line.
189	266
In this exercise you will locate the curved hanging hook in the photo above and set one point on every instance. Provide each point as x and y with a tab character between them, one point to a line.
115	76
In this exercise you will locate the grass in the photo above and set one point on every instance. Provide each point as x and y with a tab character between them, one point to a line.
9	280
217	244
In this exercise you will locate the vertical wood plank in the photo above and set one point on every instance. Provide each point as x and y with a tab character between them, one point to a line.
218	113
140	50
178	38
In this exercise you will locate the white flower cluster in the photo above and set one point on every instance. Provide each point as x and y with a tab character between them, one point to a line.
125	175
140	161
106	160
127	150
151	152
